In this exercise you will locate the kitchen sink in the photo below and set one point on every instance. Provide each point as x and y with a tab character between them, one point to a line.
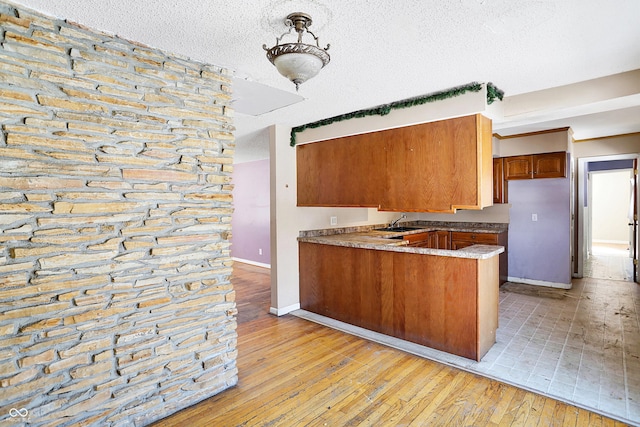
398	229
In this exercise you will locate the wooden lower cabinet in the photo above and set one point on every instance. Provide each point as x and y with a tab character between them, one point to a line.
460	239
440	239
446	303
433	239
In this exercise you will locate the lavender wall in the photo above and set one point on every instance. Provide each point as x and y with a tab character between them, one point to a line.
251	220
540	250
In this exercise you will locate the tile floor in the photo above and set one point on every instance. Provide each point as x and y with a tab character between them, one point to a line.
609	261
580	345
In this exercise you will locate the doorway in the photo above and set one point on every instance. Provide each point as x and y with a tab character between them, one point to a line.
611	209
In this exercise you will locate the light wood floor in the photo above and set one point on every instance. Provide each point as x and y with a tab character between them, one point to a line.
296	373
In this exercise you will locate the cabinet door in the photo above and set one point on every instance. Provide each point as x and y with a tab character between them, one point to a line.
342	172
499	184
439	239
440	166
550	165
518	167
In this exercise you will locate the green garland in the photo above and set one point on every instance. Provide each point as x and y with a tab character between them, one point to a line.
382	110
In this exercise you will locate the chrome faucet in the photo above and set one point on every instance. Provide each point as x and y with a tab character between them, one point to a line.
395	223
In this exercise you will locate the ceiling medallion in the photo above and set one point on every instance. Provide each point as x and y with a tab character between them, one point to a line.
298	61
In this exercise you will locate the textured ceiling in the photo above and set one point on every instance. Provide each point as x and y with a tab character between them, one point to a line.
383	51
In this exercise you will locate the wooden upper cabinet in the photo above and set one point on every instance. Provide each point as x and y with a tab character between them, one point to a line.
550	165
431	167
518	167
342	172
546	165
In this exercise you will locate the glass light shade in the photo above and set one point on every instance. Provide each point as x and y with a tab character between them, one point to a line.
298	67
298	61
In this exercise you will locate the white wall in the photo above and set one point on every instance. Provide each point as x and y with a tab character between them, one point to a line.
547	142
611	195
288	219
623	144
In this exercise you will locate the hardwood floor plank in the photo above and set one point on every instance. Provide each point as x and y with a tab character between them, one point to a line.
570	417
398	380
327	396
549	416
377	394
293	372
489	404
440	399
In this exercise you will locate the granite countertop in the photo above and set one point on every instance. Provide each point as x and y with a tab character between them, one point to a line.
367	237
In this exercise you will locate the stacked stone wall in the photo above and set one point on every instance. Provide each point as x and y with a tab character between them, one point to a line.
116	306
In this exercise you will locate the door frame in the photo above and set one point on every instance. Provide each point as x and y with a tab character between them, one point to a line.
582	216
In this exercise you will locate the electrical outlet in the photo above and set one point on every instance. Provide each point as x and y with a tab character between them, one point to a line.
334	220
260	251
534	217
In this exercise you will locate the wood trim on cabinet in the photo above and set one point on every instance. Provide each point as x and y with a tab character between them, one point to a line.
488	301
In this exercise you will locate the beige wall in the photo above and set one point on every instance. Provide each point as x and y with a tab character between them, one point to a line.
115	208
547	142
623	144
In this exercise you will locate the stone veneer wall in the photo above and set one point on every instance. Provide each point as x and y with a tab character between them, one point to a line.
115	212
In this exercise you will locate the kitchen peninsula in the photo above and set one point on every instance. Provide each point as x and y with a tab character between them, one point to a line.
394	283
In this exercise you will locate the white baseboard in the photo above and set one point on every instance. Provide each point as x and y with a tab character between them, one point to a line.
248	261
284	310
539	283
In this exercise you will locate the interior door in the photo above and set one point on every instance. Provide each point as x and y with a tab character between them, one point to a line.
635	249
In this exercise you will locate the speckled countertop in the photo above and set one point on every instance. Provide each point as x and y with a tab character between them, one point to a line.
367	237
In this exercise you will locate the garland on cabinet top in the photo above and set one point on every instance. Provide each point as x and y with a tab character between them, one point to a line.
493	93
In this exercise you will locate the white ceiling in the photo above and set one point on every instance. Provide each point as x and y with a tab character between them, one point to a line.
384	51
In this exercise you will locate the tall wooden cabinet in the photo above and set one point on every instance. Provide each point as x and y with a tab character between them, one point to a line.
499	183
432	167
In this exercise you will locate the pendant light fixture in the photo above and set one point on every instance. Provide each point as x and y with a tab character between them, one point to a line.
298	61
